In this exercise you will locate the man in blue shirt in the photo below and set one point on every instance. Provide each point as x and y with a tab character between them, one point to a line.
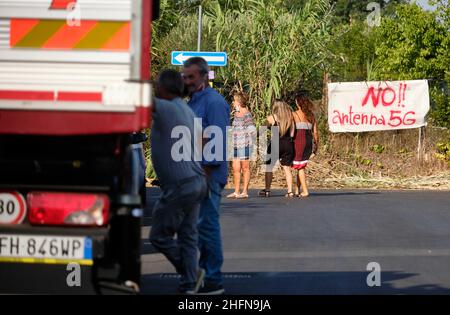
214	111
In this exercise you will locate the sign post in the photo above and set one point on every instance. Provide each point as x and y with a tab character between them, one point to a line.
199	35
420	144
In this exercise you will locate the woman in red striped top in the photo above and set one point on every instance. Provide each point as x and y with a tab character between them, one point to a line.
305	140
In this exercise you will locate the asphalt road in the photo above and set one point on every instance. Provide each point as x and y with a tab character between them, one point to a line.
323	244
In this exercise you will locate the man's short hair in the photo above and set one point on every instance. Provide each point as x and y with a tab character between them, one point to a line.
200	62
172	82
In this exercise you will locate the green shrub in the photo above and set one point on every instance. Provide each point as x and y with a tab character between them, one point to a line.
443	151
378	148
440	109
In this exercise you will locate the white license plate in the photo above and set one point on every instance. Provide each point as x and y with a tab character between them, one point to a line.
41	248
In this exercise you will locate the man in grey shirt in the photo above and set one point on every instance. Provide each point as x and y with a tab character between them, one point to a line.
182	180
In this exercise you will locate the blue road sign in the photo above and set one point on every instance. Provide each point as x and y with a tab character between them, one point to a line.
218	59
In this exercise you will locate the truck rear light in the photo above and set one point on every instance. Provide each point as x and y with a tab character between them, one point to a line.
51	208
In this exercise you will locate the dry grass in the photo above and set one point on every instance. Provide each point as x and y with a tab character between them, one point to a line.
321	175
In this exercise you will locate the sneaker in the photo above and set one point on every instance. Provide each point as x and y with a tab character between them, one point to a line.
210	288
200	278
184	291
194	287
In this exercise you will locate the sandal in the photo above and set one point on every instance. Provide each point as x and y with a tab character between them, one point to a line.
264	193
289	195
242	196
233	195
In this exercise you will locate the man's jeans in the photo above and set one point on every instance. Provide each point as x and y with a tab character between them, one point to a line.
176	212
210	242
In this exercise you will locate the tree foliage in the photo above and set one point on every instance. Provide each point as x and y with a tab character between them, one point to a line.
276	47
350	10
415	45
353	52
272	50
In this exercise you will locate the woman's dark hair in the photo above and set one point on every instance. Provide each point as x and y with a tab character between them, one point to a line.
243	97
306	105
172	82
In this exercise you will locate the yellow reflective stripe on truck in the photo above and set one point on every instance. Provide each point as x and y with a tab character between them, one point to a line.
82	262
58	34
39	34
99	35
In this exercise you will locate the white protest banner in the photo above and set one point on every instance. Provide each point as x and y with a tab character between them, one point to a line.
372	106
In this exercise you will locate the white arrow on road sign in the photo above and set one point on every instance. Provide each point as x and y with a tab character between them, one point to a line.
218	59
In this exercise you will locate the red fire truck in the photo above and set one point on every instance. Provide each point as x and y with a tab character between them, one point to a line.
74	94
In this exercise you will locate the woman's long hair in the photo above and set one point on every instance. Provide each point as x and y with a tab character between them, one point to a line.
306	106
243	97
284	115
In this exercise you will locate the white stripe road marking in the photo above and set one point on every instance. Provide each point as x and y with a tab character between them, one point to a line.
340	253
359	253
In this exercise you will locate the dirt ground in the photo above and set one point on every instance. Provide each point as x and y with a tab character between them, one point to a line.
319	177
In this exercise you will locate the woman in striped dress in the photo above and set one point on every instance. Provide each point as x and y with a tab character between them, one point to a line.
305	140
243	133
